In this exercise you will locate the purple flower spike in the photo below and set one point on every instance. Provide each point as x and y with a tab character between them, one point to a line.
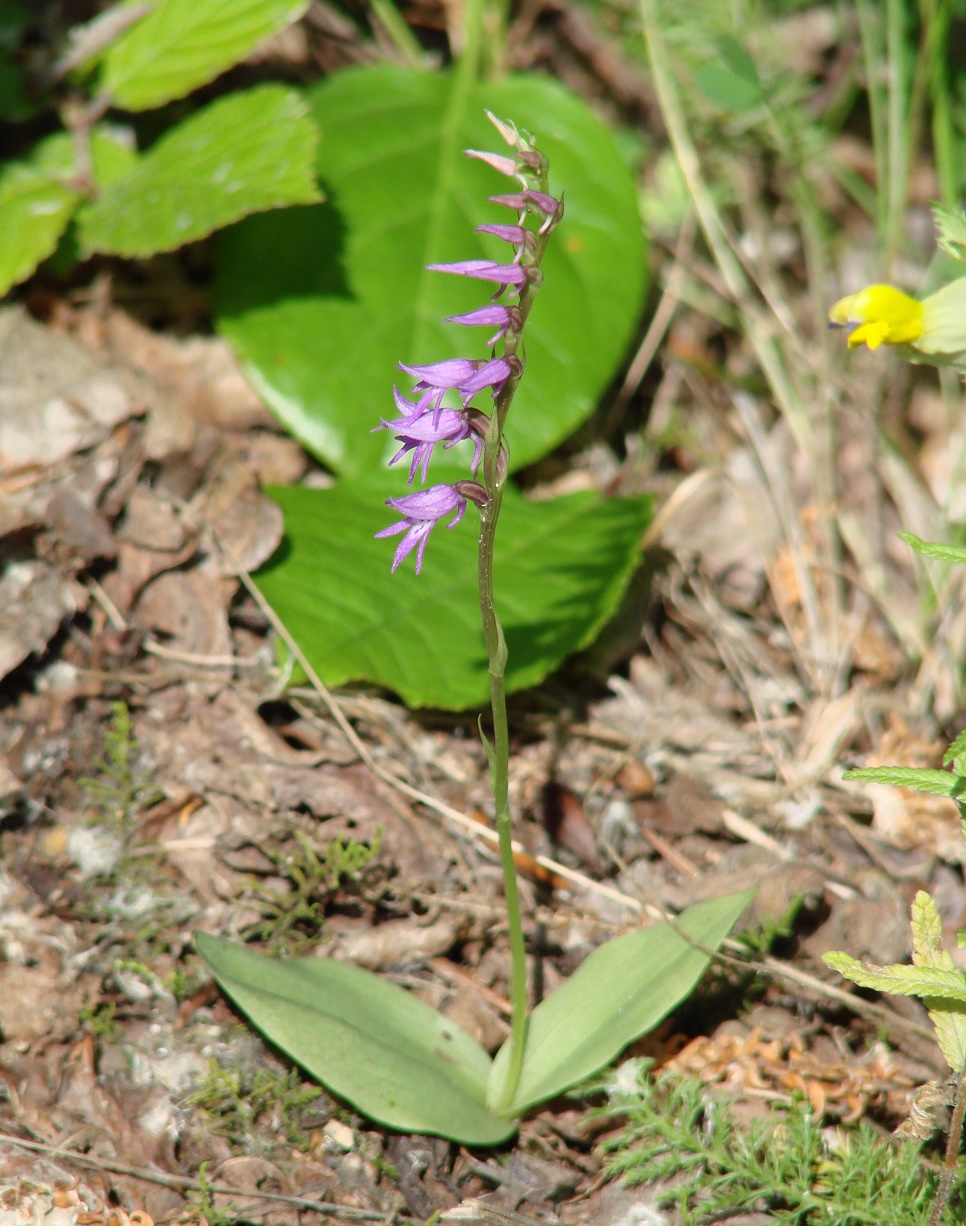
422	512
484	270
420	435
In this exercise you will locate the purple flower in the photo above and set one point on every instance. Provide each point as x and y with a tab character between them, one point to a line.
457	374
422	512
548	205
485	270
494	315
510	234
498	161
420	432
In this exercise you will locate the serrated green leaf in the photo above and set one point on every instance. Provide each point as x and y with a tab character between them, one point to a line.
561	568
183	44
366	1039
951	228
900	980
955	755
927	933
932	549
919	779
38	198
933	977
244	153
322	304
620	992
948	1017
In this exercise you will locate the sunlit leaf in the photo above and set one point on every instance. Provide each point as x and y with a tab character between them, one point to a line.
322	304
246	152
366	1039
620	992
561	568
185	43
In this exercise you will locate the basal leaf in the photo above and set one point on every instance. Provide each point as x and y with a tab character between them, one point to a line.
561	568
322	305
246	152
366	1039
620	992
185	43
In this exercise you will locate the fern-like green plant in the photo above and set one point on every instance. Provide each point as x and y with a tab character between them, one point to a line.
682	1137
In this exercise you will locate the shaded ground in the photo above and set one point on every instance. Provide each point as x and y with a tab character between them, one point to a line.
158	778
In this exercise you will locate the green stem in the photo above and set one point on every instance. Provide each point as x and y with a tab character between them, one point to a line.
494	480
499	772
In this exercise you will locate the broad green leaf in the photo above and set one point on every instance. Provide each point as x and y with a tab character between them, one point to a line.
620	992
366	1039
561	568
921	779
38	198
246	152
183	44
322	305
932	549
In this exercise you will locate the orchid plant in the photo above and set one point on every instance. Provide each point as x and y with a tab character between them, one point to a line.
367	1039
932	331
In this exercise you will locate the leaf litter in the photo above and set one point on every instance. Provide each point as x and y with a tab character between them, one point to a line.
703	757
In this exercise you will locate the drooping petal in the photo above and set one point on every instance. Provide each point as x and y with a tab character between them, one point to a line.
421	512
490	374
494	315
421	434
509	234
498	161
484	270
453	372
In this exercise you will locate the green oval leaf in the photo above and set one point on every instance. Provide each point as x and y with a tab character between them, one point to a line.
366	1039
620	992
561	568
321	307
185	43
246	152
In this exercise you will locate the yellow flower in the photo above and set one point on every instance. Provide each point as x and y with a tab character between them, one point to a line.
933	330
878	314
